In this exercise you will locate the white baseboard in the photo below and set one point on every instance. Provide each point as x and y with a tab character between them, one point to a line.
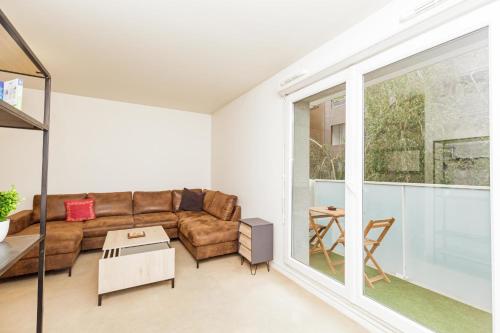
341	304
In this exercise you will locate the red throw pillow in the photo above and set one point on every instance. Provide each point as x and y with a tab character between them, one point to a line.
79	210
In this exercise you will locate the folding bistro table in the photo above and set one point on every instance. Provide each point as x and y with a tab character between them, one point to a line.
316	243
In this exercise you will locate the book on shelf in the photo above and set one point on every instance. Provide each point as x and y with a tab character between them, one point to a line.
13	93
1	90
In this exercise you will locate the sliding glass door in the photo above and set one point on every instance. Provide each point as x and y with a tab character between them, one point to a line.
392	177
426	195
318	236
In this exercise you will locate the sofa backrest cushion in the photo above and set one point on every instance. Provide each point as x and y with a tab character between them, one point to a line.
209	197
222	205
177	196
56	211
152	202
112	204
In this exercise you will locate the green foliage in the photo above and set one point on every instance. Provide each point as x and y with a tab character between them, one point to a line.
394	136
394	125
326	162
418	127
8	203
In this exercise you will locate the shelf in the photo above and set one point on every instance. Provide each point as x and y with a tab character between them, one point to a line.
16	57
14	118
14	248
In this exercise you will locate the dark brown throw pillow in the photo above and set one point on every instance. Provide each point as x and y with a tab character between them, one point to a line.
191	201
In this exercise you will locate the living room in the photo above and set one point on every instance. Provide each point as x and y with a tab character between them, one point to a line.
287	165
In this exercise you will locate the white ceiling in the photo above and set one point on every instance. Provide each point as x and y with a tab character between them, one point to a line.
193	55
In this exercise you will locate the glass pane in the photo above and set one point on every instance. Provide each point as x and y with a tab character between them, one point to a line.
426	196
318	182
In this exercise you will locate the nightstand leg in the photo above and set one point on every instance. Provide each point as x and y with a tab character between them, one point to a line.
242	260
267	263
99	300
173	283
253	272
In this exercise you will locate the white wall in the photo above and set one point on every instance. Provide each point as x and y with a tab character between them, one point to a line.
247	153
248	133
100	145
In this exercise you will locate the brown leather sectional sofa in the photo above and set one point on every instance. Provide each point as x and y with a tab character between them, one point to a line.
208	233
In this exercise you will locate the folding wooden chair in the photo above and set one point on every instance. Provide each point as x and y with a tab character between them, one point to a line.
316	242
385	225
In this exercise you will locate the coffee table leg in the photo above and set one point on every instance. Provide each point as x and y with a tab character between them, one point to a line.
173	283
99	300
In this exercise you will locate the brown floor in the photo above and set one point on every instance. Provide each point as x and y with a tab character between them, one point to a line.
219	297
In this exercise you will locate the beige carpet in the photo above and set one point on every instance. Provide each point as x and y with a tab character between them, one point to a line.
221	296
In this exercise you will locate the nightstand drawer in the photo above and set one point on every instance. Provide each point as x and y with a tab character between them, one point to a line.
245	252
246	230
245	240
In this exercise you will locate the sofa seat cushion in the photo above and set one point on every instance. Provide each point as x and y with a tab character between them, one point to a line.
181	215
207	230
62	237
165	219
101	225
186	215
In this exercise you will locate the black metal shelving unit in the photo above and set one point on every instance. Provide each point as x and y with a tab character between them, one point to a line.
17	58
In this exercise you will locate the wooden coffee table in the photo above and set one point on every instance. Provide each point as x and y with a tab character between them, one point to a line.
127	263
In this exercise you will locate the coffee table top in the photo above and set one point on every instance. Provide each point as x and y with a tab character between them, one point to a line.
118	238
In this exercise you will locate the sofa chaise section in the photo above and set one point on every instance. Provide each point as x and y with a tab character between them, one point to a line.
213	231
63	239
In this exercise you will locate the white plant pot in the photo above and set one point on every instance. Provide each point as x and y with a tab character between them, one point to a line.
4	229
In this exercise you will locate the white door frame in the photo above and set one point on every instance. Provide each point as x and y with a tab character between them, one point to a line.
331	81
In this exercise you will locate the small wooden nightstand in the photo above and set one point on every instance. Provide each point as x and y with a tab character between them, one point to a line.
256	242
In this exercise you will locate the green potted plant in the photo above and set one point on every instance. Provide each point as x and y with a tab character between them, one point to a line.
8	203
